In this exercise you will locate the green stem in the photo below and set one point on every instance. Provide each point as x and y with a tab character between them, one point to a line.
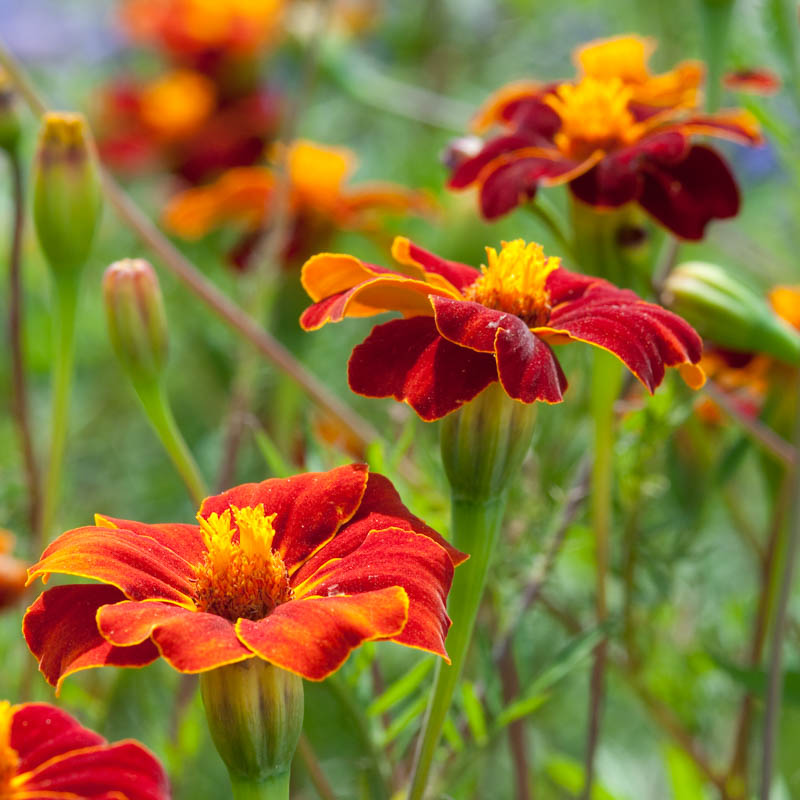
716	22
157	407
475	525
545	211
66	301
275	787
606	377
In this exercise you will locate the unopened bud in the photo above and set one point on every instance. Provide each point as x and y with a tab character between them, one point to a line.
255	715
9	119
137	324
66	193
728	312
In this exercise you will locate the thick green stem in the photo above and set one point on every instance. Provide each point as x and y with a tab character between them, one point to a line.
475	525
275	787
606	377
157	408
716	22
66	301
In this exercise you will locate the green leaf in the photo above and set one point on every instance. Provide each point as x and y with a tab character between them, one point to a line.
685	779
569	775
474	713
276	463
400	689
755	679
411	714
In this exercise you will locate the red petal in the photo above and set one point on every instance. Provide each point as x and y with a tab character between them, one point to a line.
395	557
190	641
407	359
527	368
459	275
466	173
184	540
40	731
310	508
686	196
312	637
124	769
61	631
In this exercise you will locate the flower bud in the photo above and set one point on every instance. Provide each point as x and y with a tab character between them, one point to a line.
255	715
484	442
66	191
137	324
9	119
729	313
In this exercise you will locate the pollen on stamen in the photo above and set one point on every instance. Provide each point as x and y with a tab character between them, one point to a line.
241	576
515	281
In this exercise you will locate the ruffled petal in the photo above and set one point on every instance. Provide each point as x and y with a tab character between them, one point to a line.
733	124
125	769
190	641
458	275
686	196
502	105
61	631
184	540
137	565
309	508
313	636
407	359
327	274
468	170
395	557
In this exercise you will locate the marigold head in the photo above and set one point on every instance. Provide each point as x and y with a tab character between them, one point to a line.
241	577
515	281
177	103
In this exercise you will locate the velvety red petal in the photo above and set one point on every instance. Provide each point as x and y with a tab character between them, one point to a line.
139	566
467	171
184	540
407	359
125	769
526	366
61	631
395	557
459	275
310	508
40	732
685	197
313	636
190	641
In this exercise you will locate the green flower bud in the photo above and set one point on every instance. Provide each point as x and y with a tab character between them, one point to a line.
137	324
9	119
728	312
484	442
255	715
66	192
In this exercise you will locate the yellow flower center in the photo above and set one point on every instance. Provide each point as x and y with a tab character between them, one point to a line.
515	281
594	116
9	760
242	576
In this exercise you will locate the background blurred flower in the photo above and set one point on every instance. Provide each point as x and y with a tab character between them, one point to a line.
757	80
295	571
13	572
46	753
615	135
464	328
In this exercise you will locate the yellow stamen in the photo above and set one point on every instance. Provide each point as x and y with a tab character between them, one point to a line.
9	760
594	116
515	281
242	576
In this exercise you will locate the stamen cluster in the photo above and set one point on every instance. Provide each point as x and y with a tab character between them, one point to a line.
242	576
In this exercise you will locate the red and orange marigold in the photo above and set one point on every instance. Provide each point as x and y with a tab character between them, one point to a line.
295	571
616	134
47	754
464	328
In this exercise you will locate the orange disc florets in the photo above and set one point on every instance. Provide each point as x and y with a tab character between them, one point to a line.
241	577
515	281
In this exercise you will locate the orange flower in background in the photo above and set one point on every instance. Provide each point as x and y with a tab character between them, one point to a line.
193	28
463	329
13	572
756	81
296	571
321	202
45	754
616	134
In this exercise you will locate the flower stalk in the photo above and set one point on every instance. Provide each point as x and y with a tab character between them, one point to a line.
483	445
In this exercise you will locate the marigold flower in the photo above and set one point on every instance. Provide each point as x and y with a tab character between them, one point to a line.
463	329
46	753
616	134
13	572
196	27
295	571
320	201
756	80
